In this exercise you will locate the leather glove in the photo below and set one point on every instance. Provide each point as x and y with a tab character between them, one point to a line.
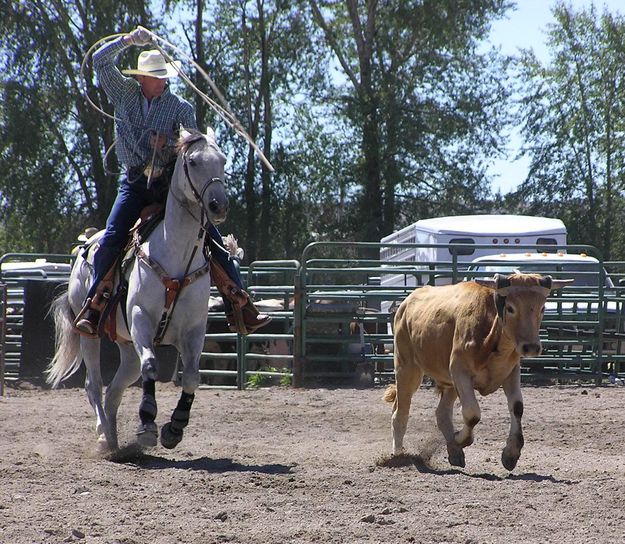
140	36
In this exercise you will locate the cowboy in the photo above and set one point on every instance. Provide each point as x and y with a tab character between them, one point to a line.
147	119
83	238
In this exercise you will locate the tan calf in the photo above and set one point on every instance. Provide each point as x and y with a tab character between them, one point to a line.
466	337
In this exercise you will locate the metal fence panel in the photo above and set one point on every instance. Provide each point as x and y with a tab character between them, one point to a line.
333	313
582	332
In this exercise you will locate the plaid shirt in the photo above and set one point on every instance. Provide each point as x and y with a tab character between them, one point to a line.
134	128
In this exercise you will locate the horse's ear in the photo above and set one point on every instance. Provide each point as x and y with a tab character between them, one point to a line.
210	133
184	133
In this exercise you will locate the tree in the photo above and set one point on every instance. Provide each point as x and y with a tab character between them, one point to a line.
373	114
427	105
573	123
259	54
53	141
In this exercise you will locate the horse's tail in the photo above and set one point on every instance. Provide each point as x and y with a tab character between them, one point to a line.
67	358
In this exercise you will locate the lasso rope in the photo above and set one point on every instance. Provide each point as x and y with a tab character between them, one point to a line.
221	109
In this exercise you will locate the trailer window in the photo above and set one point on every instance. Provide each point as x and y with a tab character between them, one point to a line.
545	242
462	250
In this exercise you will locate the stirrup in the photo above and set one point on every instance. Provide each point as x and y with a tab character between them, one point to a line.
87	321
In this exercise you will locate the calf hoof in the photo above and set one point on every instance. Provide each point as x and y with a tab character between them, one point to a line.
147	435
509	461
170	437
398	451
456	456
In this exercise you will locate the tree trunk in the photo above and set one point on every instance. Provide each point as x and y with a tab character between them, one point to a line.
200	58
265	95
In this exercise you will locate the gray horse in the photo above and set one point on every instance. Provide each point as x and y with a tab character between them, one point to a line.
168	283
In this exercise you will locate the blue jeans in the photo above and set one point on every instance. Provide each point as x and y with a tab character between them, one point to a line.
132	196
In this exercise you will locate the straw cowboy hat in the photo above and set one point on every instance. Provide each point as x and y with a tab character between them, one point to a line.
151	63
89	232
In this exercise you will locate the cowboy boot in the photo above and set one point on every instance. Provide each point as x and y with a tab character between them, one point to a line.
246	318
88	319
243	317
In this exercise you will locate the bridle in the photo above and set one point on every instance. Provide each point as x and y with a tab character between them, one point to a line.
197	194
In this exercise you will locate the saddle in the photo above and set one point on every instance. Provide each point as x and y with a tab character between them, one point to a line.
243	317
113	287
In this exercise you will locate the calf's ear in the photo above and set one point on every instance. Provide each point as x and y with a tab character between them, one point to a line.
502	281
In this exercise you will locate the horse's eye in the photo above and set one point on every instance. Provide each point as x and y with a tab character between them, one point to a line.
509	309
192	161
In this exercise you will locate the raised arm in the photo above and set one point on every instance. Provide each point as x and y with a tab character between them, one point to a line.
112	80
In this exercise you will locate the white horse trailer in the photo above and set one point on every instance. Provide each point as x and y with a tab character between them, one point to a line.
492	231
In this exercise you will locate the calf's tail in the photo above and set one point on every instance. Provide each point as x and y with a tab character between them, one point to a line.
391	393
67	358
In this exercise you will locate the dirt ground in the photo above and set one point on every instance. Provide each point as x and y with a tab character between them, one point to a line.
282	465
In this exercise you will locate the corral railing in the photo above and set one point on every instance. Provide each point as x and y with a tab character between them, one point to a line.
233	361
29	276
3	325
344	292
339	304
332	311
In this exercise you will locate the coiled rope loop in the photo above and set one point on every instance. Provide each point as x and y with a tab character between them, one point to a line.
222	109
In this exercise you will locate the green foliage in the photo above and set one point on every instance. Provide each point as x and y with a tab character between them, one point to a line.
258	380
374	115
573	115
425	104
54	182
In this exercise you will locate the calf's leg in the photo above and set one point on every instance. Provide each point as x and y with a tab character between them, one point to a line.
512	388
444	421
471	413
408	379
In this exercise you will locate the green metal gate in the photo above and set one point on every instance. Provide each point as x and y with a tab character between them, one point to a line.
335	307
583	330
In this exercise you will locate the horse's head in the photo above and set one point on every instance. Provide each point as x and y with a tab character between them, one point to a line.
200	174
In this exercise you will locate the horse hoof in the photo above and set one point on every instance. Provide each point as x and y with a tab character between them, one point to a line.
102	446
463	442
170	438
456	457
509	461
147	435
